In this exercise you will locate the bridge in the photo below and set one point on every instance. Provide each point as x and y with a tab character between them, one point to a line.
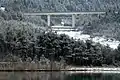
48	14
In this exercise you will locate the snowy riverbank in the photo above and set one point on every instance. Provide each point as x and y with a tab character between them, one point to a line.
94	69
77	70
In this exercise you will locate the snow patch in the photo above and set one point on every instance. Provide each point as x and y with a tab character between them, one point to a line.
2	8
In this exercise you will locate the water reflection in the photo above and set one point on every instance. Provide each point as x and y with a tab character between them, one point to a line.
32	75
57	76
94	76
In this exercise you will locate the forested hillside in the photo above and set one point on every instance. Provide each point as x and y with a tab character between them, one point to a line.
61	5
19	37
108	25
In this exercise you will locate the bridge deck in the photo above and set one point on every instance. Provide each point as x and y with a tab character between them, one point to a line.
62	13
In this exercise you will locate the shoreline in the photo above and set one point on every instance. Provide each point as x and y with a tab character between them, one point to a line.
26	66
95	68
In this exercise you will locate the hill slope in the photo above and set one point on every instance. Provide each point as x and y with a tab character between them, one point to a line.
61	5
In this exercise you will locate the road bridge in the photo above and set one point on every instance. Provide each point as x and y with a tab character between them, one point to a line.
49	14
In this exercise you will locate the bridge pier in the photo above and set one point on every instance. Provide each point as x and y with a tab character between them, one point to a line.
48	20
73	20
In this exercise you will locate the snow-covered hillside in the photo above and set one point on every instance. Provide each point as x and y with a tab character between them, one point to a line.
78	35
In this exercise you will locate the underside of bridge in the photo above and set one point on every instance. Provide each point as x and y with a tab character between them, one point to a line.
49	20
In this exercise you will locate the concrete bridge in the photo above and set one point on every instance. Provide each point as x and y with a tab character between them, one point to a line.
48	14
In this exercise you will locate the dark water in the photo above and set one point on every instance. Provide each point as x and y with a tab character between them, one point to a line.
57	76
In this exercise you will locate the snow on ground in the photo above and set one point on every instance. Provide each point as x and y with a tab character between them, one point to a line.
112	43
78	35
2	8
75	35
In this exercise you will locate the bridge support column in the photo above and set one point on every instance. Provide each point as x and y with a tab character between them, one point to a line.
73	20
48	20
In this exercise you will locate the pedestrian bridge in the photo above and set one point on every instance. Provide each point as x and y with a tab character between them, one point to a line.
73	14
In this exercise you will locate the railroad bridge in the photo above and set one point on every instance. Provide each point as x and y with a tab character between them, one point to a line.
72	14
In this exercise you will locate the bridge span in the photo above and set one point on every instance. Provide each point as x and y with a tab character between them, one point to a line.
62	13
48	14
